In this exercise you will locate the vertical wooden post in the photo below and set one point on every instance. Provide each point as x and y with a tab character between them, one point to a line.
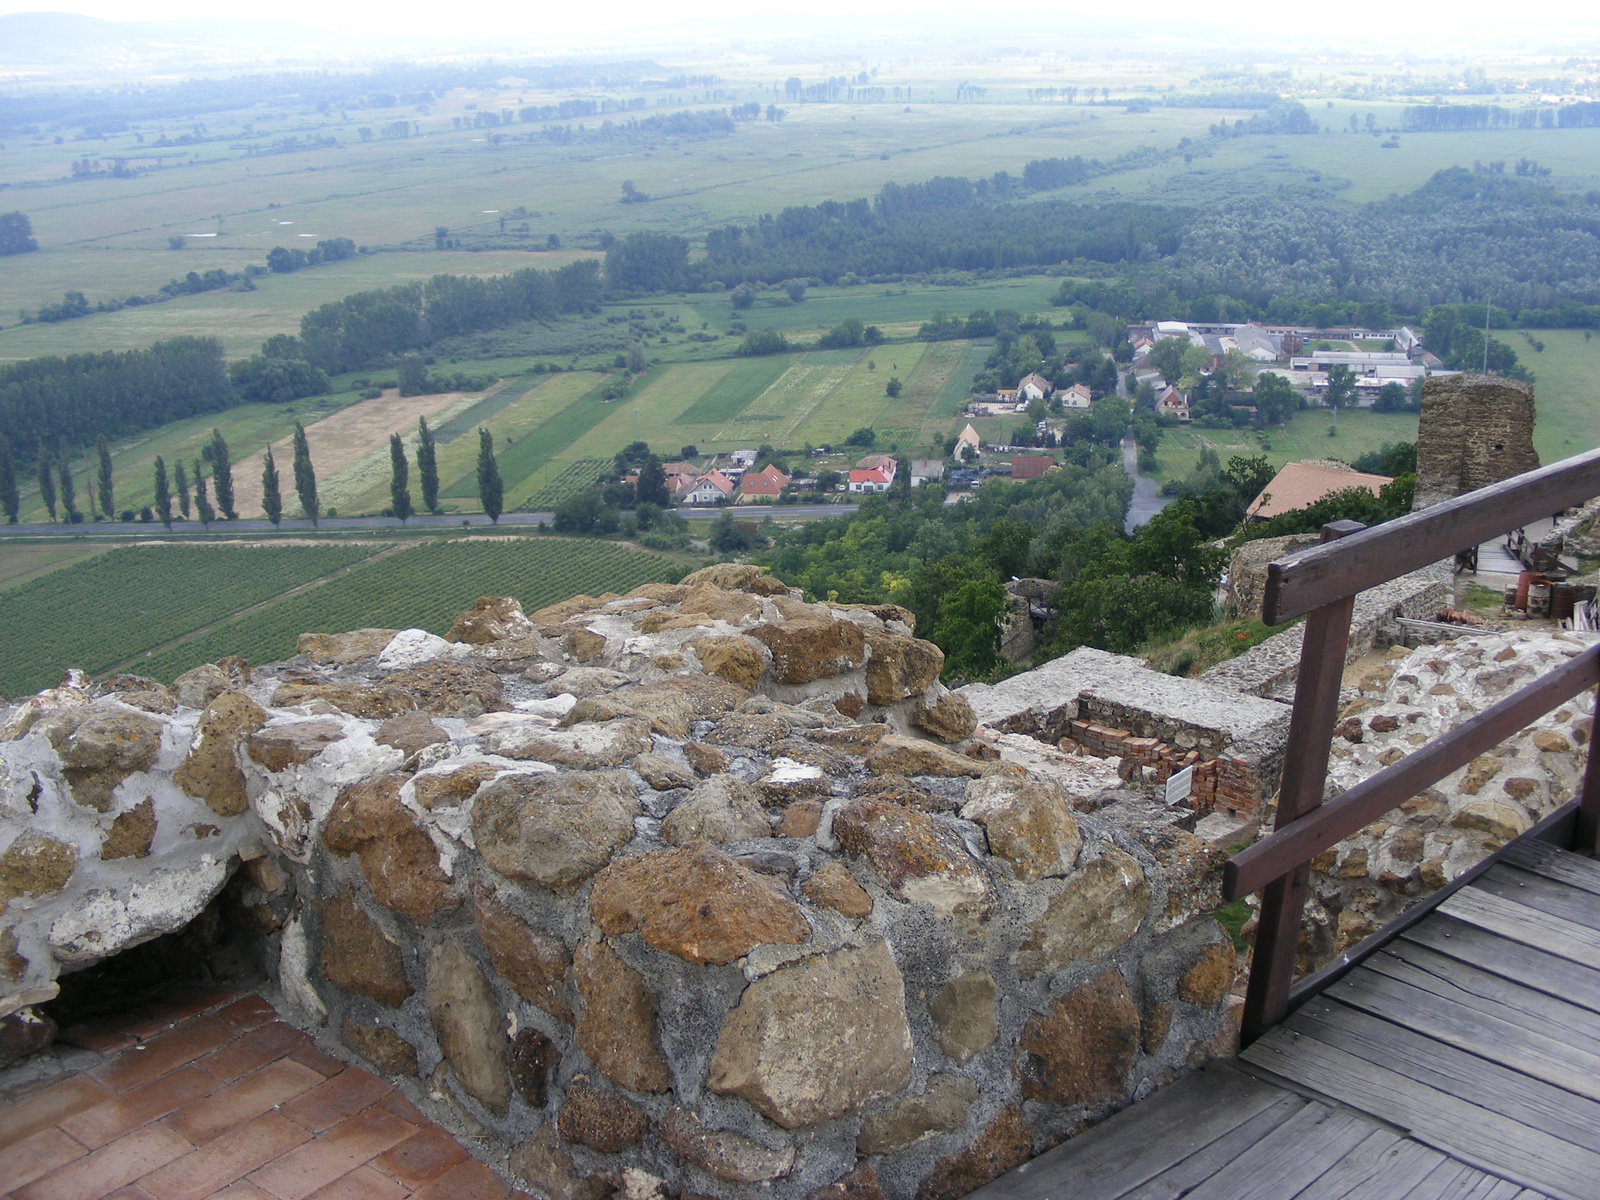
1586	836
1305	772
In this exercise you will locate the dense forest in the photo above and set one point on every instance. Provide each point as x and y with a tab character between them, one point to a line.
77	398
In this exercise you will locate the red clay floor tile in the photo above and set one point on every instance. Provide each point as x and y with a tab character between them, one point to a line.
422	1156
108	1121
190	1000
35	1156
49	1106
361	1184
244	1053
469	1181
346	1094
247	1012
340	1150
396	1103
171	1050
238	1101
225	1159
108	1168
324	1064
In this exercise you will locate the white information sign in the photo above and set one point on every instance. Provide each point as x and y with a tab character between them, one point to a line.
1179	785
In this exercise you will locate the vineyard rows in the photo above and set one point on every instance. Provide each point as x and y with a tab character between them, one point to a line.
111	607
424	587
580	475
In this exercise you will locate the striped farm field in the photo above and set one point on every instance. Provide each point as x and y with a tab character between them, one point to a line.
422	586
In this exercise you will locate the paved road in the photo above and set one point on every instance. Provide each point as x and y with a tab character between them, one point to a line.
1147	497
475	521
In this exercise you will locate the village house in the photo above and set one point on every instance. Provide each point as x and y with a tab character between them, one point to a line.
926	470
711	488
967	437
1170	402
1034	387
874	473
1300	484
1076	396
763	486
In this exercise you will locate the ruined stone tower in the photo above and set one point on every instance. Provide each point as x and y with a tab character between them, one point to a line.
1475	430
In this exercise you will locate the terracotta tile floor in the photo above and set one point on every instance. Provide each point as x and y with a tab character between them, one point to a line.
208	1093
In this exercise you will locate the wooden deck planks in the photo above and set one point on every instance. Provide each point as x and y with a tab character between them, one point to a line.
1140	1142
1563	866
1494	1143
1546	896
1177	1181
1493	954
1290	1158
1565	939
1447	1069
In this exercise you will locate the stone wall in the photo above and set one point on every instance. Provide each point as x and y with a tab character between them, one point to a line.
701	887
1247	570
1369	878
1474	430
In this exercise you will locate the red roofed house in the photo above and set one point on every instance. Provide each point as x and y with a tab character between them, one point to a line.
1030	466
873	479
763	486
1300	484
709	489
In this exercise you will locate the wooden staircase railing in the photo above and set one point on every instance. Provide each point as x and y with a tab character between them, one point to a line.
1321	584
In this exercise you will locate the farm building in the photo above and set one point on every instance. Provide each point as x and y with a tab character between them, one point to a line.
1299	484
1030	466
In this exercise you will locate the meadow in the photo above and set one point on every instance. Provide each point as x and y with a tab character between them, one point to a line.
1303	436
161	609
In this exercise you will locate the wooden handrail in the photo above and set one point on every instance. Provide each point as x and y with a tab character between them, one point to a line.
1321	583
1322	574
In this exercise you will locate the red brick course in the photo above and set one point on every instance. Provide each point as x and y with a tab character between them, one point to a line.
207	1095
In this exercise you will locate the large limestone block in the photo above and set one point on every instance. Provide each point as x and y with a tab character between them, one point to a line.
468	1024
697	903
964	1019
532	961
1026	821
922	861
805	651
813	1041
357	955
1100	908
1004	1146
736	659
285	744
35	864
900	667
730	1157
341	649
398	859
584	746
376	702
554	830
722	809
109	920
1080	1049
99	748
491	619
447	687
909	756
601	1120
617	1025
211	772
943	1106
542	1163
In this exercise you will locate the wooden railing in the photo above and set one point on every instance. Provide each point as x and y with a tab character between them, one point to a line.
1321	584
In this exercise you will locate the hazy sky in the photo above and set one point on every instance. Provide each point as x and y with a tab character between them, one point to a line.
1556	26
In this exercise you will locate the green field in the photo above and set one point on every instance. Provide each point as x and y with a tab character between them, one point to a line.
161	609
1305	436
98	613
1566	391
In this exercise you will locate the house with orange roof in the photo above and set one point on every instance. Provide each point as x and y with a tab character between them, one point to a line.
1301	484
711	488
763	486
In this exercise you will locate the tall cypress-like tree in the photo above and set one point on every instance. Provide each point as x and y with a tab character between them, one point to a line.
427	466
69	491
104	454
163	495
10	499
183	488
47	486
490	490
222	475
89	484
271	496
202	502
399	478
305	478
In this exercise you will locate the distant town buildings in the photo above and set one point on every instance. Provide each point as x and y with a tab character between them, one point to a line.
874	473
763	486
